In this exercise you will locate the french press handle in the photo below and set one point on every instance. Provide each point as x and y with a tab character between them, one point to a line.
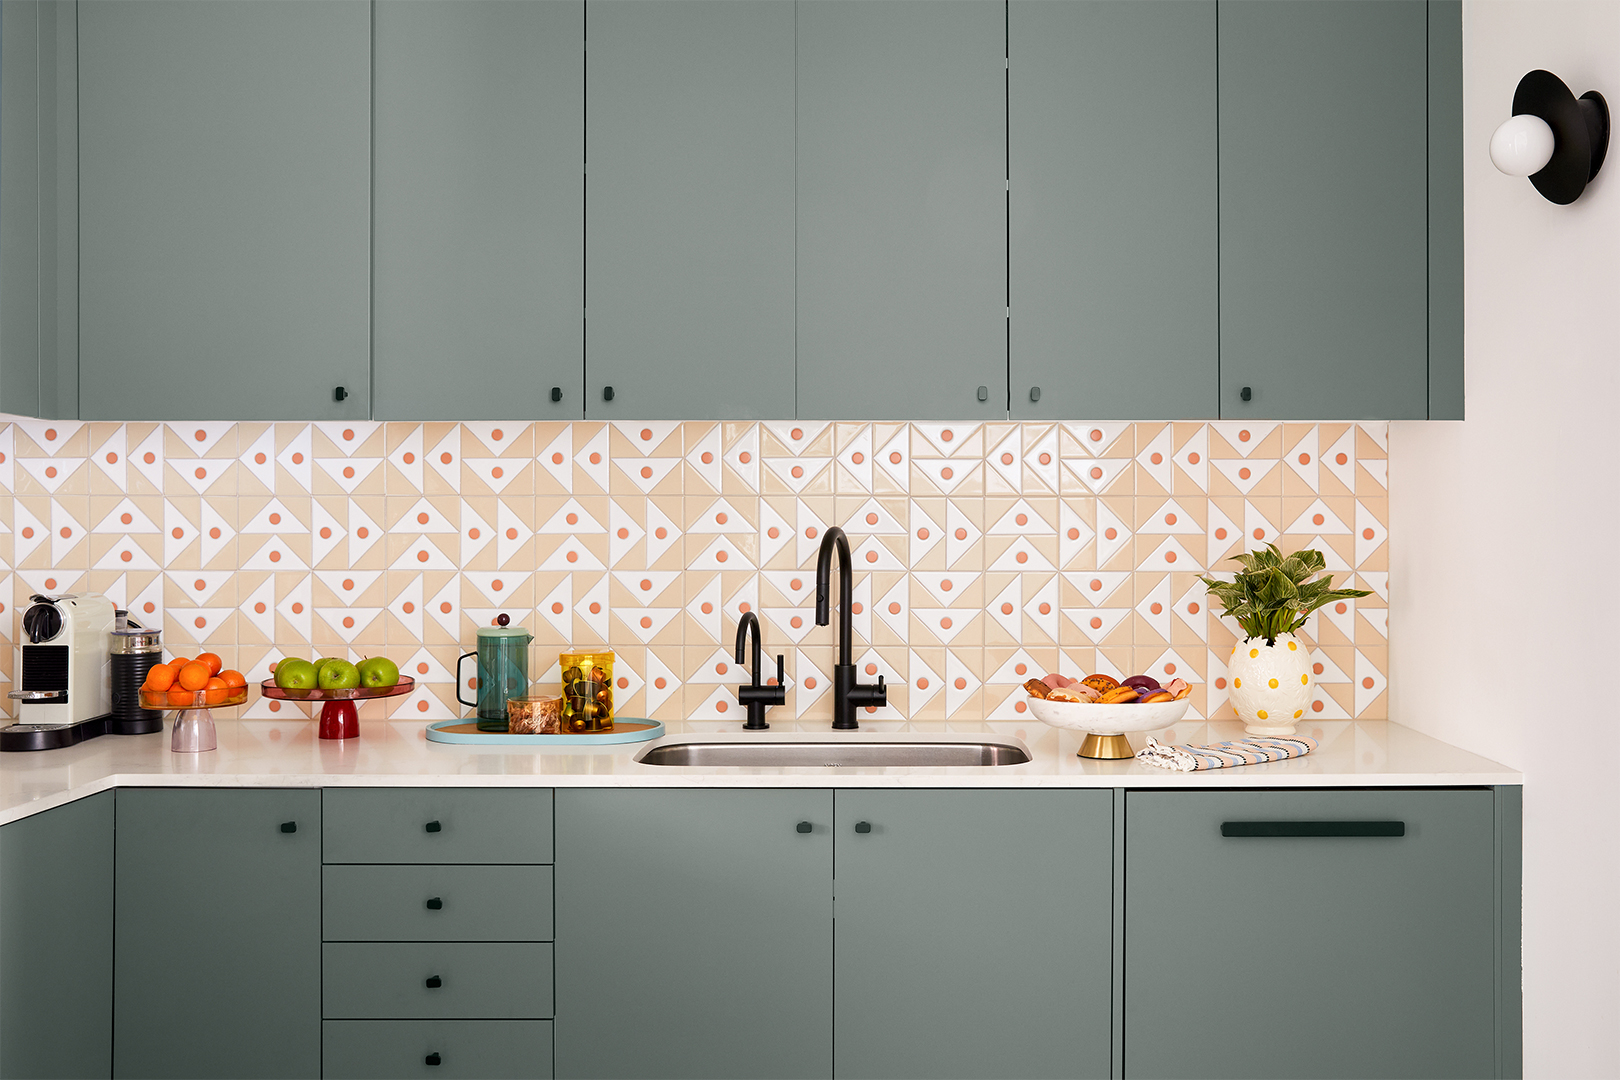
460	682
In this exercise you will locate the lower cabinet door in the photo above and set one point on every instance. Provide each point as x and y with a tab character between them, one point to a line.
694	933
471	980
1254	948
217	961
973	933
443	1049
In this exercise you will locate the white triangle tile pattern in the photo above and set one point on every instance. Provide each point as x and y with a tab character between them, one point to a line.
1079	544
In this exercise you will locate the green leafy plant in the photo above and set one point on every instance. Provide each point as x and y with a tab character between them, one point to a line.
1274	593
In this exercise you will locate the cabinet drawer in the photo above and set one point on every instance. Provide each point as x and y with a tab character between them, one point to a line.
471	980
461	1049
437	825
436	903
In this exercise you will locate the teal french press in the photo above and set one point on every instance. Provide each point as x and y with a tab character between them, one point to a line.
503	671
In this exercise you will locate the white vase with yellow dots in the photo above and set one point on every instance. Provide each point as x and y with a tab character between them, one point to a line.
1271	684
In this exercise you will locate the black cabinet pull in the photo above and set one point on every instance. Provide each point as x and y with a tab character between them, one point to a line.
1246	394
556	395
433	826
803	826
984	393
607	393
339	393
435	904
1034	393
434	982
1313	828
863	826
431	1059
289	826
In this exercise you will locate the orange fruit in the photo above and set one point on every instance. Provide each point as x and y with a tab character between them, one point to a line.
179	662
216	691
212	660
160	678
180	697
194	676
233	678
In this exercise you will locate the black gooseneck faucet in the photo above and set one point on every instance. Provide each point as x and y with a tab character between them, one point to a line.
848	694
757	698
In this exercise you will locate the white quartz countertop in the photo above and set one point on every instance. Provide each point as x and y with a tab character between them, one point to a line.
287	753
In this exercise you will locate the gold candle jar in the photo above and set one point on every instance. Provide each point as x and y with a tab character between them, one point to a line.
587	688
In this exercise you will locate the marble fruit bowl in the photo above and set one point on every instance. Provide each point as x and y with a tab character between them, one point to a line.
1107	725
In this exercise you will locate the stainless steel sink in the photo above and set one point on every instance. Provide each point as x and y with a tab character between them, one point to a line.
809	752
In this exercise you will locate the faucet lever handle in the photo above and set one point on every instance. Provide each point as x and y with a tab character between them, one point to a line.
780	679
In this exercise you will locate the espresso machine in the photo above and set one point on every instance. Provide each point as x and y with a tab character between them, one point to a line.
79	668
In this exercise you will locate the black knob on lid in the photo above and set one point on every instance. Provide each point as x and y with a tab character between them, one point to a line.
503	619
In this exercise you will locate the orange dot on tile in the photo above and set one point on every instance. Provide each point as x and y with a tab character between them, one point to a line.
708	608
1169	556
646	434
1111	533
1316	669
298	459
871	556
1006	609
922	684
596	609
745	457
1157	459
1169	669
410	459
1046	609
946	473
444	609
660	683
50	434
961	683
1316	706
66	532
1096	623
646	472
326	533
1220	534
258	609
660	532
1367	534
1259	534
199	622
1368	683
1156	608
1317	519
1022	557
1192	608
922	534
857	458
1022	519
742	608
50	472
1304	459
1243	473
1096	435
1006	459
773	532
148	607
572	519
556	459
795	622
894	608
175	532
707	458
200	584
1340	608
422	556
719	669
572	556
1022	669
623	683
646	622
855	608
112	459
348	622
275	519
623	534
473	533
798	471
871	519
1169	519
1096	473
1192	458
1019	706
497	472
50	583
126	555
894	457
945	585
810	533
213	534
28	532
596	459
1243	436
1046	459
961	534
1220	684
407	607
797	434
1342	459
720	518
1074	534
149	457
348	584
200	473
871	669
275	556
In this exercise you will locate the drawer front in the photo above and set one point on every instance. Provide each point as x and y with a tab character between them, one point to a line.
442	1049
436	825
436	903
438	980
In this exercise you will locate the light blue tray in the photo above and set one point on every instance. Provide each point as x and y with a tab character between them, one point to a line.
437	733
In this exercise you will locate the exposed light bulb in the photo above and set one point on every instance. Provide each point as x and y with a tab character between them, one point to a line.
1522	146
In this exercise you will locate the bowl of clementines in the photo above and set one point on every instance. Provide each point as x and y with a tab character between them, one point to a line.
187	683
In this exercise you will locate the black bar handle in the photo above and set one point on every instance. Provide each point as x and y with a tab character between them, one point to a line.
434	982
289	826
556	395
460	682
431	1059
863	826
433	826
435	904
1313	828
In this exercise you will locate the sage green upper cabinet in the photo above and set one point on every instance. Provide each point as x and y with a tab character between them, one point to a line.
734	951
936	970
479	219
690	210
1324	209
224	210
218	948
902	234
1298	955
1112	202
56	941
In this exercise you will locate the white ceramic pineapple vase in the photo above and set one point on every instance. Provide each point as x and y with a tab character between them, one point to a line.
1271	684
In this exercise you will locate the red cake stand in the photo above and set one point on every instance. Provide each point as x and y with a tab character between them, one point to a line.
194	728
339	720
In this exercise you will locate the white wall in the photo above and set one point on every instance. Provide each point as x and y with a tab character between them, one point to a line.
1505	575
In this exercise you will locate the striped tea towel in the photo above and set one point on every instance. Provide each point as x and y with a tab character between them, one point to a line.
1186	758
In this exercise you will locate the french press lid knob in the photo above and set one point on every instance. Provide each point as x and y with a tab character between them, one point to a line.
503	619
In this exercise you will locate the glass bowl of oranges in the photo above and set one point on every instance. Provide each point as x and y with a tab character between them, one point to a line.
202	682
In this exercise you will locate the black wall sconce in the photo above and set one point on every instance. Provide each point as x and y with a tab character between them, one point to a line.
1554	138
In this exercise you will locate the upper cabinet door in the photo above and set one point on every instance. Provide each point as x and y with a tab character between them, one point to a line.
1114	267
689	214
224	201
479	219
902	235
1324	190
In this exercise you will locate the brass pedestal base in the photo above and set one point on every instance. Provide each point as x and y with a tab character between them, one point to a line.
1109	747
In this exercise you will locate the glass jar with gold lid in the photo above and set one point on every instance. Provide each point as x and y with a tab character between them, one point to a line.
587	689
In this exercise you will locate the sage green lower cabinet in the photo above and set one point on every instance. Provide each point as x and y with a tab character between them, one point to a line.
694	933
1311	956
459	1049
56	941
217	958
974	933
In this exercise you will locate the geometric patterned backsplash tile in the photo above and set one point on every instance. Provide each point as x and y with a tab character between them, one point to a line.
985	553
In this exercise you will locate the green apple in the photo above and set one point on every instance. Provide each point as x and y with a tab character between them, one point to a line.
295	674
325	660
379	671
338	675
